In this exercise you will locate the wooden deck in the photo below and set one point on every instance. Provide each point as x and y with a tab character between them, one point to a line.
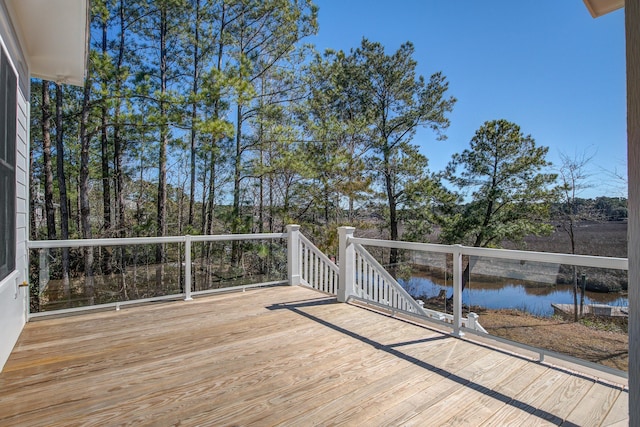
282	355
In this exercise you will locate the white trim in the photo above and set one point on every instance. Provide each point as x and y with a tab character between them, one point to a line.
47	32
553	258
160	298
240	288
15	70
115	305
228	237
79	243
15	154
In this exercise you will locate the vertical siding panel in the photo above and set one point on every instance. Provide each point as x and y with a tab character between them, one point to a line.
22	183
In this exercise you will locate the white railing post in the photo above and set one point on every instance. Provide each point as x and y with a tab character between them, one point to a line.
346	262
472	320
187	268
457	290
293	261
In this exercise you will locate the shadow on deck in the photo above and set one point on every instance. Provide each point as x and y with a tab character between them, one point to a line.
281	355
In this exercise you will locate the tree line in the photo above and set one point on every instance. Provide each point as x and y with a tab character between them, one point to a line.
217	116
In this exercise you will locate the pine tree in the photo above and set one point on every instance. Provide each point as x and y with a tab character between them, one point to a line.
400	103
510	191
511	194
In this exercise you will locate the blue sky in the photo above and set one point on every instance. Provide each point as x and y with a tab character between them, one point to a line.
546	65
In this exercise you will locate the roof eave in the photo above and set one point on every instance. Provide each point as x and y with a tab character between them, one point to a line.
54	36
598	8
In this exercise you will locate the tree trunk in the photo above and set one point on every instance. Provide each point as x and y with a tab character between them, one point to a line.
77	216
210	218
106	179
85	209
271	207
203	200
33	198
471	262
575	272
117	154
575	293
62	186
261	147
393	215
237	171
216	114
117	140
194	113
181	249
162	155
48	169
261	190
211	204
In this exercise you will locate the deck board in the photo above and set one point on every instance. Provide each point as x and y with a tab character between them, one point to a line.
282	355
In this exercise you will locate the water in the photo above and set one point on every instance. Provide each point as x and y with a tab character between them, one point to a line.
536	300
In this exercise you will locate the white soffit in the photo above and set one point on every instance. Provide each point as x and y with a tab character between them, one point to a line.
602	7
55	35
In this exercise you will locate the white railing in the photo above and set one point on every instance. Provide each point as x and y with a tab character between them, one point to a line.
363	278
457	251
186	261
374	284
366	280
358	275
316	269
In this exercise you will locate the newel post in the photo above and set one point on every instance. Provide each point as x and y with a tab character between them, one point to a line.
457	290
346	261
472	321
293	254
187	268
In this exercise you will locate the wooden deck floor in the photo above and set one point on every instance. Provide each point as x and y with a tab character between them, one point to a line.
283	355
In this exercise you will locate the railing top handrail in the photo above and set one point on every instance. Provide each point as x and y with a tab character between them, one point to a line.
78	243
399	244
227	237
549	257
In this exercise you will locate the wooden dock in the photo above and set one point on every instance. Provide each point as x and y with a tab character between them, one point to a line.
567	310
282	355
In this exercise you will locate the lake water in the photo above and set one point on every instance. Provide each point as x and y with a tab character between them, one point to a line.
533	299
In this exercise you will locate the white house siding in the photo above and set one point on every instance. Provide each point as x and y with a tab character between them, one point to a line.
13	298
22	185
12	45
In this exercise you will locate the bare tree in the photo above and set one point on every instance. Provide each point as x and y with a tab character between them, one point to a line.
618	183
574	178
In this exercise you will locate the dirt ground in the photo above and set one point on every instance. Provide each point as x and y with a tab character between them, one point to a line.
599	342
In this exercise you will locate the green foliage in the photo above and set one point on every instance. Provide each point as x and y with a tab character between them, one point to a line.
510	191
335	119
279	133
399	102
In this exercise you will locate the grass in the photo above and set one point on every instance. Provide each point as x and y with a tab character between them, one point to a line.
606	324
596	340
608	238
